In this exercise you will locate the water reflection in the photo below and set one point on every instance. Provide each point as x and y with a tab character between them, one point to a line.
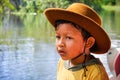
111	23
27	46
28	61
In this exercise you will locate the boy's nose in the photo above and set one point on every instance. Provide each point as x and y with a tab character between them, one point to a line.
61	43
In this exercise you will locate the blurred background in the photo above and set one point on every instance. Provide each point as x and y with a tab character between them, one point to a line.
27	40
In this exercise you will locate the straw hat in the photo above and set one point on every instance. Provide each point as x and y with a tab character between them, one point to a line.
85	17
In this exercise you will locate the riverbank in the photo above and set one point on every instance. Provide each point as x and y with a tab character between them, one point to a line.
111	8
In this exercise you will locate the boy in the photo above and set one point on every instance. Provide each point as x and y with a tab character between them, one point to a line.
78	33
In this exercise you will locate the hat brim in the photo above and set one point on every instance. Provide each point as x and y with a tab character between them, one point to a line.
101	38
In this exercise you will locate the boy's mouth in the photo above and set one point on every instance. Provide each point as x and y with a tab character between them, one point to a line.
61	52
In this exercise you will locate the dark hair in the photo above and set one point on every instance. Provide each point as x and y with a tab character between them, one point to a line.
85	34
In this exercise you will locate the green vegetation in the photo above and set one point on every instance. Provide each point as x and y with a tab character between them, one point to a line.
38	6
5	5
111	8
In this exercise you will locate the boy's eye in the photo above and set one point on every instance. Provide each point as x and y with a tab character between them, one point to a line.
68	37
57	37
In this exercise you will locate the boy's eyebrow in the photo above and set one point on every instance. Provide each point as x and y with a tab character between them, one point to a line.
56	32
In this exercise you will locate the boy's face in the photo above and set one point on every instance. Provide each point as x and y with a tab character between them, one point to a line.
69	41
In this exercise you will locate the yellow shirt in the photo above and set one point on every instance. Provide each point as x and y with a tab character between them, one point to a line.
94	72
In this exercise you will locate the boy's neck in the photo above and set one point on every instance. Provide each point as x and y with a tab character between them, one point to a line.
79	60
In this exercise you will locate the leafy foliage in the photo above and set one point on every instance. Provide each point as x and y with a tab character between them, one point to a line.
5	5
40	5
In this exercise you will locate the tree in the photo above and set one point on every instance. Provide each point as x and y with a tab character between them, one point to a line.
39	6
6	6
117	2
96	4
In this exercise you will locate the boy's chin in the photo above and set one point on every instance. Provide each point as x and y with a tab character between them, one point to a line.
63	58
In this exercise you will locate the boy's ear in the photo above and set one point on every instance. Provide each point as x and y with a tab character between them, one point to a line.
90	42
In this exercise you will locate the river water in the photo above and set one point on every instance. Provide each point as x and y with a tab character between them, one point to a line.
27	46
